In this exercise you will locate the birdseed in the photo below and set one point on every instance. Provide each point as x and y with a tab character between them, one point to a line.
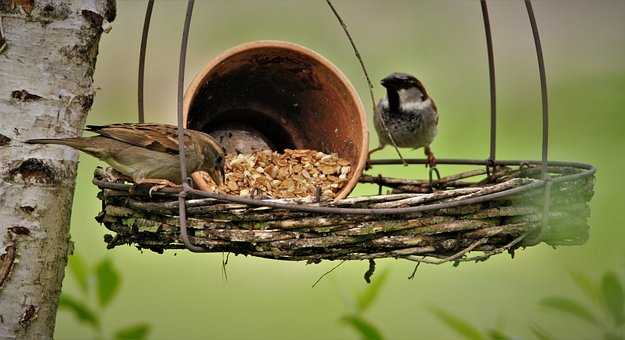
294	173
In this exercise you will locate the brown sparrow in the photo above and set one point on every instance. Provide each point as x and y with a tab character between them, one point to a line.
148	153
409	114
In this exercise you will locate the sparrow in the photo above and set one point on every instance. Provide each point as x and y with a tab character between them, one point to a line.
409	114
148	153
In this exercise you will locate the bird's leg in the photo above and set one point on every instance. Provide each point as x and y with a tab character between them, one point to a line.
368	166
431	159
160	184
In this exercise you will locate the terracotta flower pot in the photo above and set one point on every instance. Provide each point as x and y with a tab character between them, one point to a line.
279	95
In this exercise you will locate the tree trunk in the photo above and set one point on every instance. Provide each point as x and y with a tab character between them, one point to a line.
48	51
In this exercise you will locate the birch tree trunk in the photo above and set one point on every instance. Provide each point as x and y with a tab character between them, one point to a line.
48	51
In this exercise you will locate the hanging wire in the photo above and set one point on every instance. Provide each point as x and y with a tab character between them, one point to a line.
144	43
181	145
545	107
493	89
364	70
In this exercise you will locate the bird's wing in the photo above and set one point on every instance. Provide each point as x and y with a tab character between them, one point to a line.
157	137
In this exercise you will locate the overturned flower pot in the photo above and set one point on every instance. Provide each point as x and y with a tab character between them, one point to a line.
278	95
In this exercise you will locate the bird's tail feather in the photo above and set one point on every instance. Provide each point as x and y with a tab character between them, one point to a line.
90	145
73	142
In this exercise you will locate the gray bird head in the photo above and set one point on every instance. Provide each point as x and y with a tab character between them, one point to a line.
399	81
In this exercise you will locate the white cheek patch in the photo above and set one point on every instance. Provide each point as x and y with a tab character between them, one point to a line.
417	105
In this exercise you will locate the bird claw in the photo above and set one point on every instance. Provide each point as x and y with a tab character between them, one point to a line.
159	184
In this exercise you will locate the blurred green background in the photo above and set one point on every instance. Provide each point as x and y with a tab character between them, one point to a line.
185	296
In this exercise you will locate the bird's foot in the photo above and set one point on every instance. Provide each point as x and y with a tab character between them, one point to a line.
159	184
431	159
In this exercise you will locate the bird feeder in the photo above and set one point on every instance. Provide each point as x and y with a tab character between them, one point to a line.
281	95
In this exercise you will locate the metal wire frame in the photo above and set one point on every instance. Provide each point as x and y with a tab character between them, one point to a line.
493	87
142	50
588	170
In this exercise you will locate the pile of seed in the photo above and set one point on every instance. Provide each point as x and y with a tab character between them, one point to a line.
294	173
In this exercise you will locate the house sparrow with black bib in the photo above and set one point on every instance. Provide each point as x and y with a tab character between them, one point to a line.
149	153
409	114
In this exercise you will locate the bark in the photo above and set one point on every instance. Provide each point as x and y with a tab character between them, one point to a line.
48	51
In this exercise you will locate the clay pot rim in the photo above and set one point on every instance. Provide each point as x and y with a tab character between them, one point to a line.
258	44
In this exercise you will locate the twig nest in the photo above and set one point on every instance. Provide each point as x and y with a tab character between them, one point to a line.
481	214
292	174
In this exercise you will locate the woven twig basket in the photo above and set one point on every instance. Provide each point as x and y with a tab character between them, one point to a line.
513	217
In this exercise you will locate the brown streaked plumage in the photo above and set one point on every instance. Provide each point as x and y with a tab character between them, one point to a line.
148	153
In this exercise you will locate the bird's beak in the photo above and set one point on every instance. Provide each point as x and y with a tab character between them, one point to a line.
217	175
389	81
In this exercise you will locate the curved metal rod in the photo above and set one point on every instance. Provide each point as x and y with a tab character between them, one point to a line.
364	70
545	105
144	43
588	170
493	89
183	165
543	84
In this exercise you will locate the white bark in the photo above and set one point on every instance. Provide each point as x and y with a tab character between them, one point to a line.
46	90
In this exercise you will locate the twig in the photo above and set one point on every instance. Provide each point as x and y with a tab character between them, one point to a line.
364	70
449	258
498	250
328	272
224	263
414	271
370	271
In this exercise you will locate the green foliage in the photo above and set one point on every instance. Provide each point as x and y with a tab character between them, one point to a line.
613	297
495	334
458	325
107	280
540	333
367	296
362	303
139	331
366	330
587	286
79	270
607	296
80	310
568	306
465	329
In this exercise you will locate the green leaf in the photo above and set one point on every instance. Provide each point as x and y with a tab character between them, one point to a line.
613	297
612	336
366	330
135	332
108	281
540	333
80	310
460	326
568	306
587	286
495	334
366	298
79	270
